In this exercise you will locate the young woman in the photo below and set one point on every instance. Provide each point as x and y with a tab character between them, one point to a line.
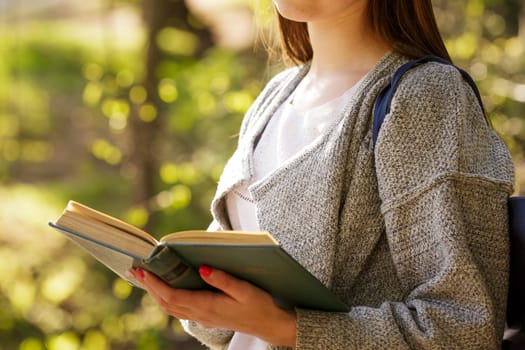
410	232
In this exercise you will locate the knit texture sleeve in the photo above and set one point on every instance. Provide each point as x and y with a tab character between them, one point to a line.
444	178
212	338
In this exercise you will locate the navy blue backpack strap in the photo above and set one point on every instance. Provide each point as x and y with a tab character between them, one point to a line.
383	100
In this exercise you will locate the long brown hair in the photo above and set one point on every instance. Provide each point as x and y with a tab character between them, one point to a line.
409	25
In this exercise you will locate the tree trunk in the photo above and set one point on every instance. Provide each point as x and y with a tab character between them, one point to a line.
157	15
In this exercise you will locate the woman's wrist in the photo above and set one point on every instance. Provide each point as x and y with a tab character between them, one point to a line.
283	331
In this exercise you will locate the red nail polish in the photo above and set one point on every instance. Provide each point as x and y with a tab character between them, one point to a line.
205	271
140	273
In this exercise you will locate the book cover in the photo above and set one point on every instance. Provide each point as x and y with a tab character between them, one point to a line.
254	257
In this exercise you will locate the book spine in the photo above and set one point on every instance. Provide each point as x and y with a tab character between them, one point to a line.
165	264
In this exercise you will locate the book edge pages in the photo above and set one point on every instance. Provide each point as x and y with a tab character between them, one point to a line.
113	264
94	240
106	234
220	238
89	212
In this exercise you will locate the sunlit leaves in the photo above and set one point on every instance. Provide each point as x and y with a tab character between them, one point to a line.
7	320
177	197
474	8
12	150
478	70
169	173
464	46
93	71
48	317
64	341
238	101
113	327
495	24
220	83
507	88
188	173
137	216
138	94
64	280
183	176
149	341
9	126
125	78
491	53
177	42
121	289
31	344
117	111
21	217
92	93
31	105
105	151
206	103
168	92
148	112
69	103
113	106
95	340
22	295
36	151
515	47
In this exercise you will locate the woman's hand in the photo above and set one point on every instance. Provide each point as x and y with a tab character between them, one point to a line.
239	306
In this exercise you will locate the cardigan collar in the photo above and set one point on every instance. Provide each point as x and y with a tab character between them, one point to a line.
239	169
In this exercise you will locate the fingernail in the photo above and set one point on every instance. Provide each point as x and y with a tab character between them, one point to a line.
205	271
140	273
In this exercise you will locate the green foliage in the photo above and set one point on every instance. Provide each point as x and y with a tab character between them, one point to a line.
201	102
66	104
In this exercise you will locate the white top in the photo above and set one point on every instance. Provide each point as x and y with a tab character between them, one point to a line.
288	132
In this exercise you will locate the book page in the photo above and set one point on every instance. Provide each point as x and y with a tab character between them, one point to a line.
221	237
118	263
84	210
94	231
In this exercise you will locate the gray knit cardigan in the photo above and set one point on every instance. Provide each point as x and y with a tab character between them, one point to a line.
412	234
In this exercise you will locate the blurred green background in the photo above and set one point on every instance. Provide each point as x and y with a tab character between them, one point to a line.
133	107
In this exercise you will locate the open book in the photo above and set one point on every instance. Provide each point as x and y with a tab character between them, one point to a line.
253	256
